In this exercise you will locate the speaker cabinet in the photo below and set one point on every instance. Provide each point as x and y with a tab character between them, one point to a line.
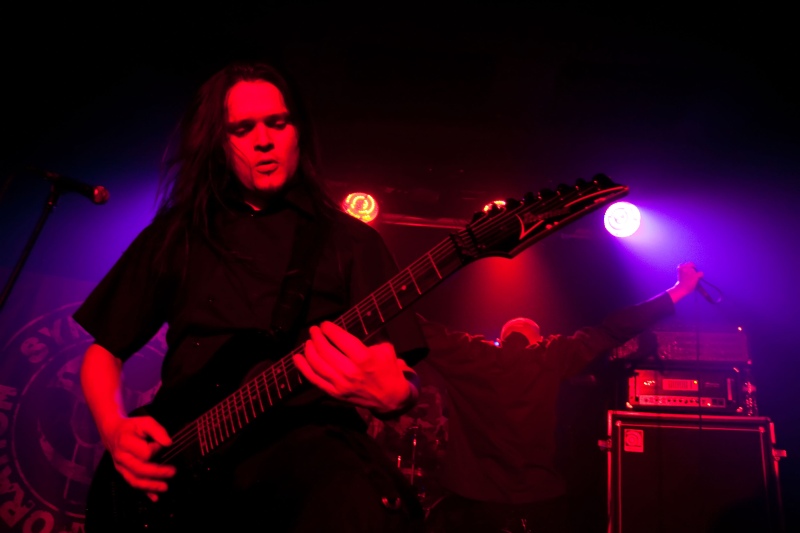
692	473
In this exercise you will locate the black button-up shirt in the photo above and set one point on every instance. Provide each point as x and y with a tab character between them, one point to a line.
217	295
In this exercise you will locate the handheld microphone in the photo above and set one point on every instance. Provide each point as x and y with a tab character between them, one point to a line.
704	293
96	193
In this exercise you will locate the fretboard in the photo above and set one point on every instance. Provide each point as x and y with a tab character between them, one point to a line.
282	379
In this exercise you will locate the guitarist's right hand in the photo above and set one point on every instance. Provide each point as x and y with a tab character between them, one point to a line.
132	442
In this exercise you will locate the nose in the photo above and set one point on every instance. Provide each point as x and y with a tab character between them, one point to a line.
263	139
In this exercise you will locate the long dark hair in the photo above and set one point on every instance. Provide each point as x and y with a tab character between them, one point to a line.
197	179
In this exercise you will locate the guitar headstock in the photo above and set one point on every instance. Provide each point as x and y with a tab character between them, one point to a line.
506	231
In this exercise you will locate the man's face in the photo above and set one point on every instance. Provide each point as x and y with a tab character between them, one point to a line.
262	140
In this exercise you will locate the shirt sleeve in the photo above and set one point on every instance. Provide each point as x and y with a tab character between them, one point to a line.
569	354
456	352
129	305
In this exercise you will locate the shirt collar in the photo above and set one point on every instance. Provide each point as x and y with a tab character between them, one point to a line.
296	196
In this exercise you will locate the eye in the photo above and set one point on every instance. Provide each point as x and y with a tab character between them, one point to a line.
278	123
240	129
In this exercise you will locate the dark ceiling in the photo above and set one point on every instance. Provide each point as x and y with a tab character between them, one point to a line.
424	103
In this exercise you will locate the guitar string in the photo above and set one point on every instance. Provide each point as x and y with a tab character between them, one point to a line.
214	428
218	423
238	400
214	422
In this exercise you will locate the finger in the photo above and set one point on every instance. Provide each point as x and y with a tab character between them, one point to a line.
402	366
142	483
144	469
326	358
136	446
317	366
343	340
164	470
309	373
148	427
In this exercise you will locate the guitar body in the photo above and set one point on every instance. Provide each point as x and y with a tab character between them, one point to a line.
113	505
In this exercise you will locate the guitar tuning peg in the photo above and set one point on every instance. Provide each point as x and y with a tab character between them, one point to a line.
477	215
563	188
544	194
602	180
529	198
580	183
512	203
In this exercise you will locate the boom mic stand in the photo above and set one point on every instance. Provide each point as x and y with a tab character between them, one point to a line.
49	205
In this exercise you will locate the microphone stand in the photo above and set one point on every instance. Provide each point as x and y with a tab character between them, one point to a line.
49	205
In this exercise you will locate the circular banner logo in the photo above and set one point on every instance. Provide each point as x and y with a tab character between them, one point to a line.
49	445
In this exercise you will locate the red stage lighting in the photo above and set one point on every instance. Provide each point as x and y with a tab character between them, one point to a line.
361	205
499	203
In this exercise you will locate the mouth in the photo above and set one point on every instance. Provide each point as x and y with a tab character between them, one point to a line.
267	167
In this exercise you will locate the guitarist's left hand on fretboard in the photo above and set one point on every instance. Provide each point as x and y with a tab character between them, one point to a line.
345	368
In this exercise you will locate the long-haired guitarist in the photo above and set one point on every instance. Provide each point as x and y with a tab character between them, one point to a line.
246	245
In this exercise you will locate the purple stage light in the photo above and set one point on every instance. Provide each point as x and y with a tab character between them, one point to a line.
622	219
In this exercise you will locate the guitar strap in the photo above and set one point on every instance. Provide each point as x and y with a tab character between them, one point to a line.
292	303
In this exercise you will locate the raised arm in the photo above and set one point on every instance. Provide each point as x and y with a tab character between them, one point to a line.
688	278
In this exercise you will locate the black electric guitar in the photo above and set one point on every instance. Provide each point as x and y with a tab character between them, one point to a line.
215	409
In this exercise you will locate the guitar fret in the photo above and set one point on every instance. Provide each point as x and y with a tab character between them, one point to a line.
377	307
225	420
361	319
228	401
413	279
233	409
218	418
244	407
209	433
430	257
395	295
277	388
278	374
401	285
244	394
285	378
210	428
215	426
201	437
266	387
258	395
252	403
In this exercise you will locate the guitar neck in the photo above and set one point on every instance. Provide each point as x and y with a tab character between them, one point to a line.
282	380
503	233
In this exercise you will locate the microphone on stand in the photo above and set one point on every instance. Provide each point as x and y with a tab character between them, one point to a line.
96	193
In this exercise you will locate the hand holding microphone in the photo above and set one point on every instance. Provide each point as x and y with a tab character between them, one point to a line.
690	279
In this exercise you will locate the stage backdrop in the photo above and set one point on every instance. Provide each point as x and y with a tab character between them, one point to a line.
49	444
